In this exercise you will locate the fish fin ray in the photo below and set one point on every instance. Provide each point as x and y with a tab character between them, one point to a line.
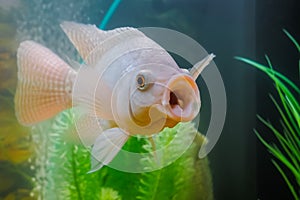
196	70
106	147
87	127
92	42
44	84
85	37
114	38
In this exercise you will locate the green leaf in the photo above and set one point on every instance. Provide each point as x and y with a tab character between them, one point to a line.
291	187
270	72
292	39
287	148
62	167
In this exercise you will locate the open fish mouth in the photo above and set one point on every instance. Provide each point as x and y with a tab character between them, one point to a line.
181	98
180	102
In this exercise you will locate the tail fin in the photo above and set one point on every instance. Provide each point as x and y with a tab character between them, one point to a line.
44	84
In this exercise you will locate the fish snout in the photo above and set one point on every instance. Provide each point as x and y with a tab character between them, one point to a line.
181	98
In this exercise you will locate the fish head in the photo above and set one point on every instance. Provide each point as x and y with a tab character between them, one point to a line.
162	96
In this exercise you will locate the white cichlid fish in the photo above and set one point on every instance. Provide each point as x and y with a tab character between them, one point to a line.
127	85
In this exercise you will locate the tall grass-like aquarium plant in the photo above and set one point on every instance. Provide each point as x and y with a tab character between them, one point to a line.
286	150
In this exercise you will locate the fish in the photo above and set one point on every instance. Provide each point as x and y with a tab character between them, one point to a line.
126	85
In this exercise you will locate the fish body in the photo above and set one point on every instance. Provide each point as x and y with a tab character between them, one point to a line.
127	85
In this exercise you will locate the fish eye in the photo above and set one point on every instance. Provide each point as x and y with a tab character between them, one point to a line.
140	80
144	80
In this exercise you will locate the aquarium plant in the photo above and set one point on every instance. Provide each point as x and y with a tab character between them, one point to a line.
286	150
61	167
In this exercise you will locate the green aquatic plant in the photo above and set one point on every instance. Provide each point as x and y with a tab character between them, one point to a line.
62	166
109	194
187	178
287	149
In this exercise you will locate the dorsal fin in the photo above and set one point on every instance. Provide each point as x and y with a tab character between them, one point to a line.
88	38
116	37
84	37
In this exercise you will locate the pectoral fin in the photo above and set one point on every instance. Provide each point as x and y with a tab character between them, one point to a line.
106	147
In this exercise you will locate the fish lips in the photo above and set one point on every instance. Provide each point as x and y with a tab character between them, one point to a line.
181	98
180	102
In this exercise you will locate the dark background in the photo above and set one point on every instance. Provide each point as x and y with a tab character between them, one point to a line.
271	17
241	165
